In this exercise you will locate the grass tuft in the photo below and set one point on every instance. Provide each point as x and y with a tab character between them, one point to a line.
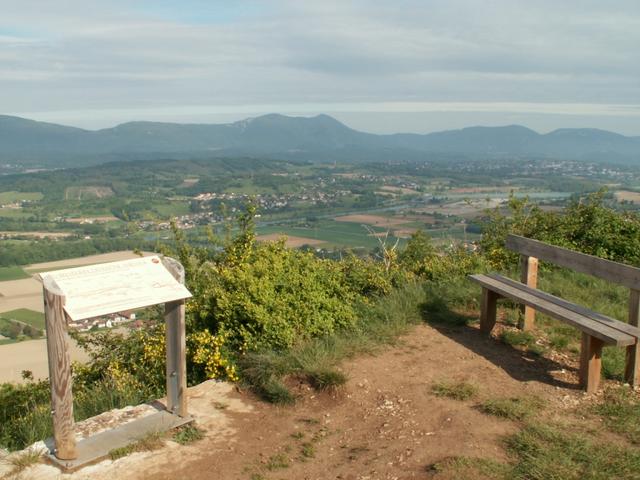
147	443
517	338
277	462
515	408
620	410
461	390
20	462
326	379
188	434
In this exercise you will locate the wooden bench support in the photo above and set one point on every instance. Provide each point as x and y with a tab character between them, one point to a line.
528	276
488	310
632	368
590	362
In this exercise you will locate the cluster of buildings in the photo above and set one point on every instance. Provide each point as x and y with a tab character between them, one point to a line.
107	321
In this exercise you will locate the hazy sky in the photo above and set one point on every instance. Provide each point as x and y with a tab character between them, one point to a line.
381	66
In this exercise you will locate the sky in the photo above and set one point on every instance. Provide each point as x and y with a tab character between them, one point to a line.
379	66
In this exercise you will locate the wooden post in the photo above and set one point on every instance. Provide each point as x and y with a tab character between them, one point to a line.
488	310
176	346
59	372
632	369
528	276
590	362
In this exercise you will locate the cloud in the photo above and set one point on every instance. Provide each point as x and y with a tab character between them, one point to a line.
132	56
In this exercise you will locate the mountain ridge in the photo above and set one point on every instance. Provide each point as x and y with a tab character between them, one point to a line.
321	137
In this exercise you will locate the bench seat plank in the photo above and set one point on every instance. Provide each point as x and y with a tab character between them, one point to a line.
594	328
598	317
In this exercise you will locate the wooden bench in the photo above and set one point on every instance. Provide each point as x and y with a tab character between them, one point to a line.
597	329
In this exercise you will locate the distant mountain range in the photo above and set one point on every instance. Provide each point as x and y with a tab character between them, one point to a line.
320	138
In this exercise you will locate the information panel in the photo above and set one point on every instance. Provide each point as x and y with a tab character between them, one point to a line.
115	287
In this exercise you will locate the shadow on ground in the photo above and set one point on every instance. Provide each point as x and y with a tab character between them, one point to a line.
522	366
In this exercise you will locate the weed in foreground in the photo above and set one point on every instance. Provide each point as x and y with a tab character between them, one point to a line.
277	462
515	408
149	442
308	450
188	434
326	379
22	461
455	390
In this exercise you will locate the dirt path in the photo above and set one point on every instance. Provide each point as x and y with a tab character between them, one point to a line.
384	424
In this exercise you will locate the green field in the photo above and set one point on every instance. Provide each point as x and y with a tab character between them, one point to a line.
332	232
12	273
35	319
10	197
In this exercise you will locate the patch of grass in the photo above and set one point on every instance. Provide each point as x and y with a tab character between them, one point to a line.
326	379
545	452
120	452
448	302
297	435
461	390
277	462
188	434
517	338
613	362
515	408
12	273
24	460
308	450
147	443
468	468
620	410
559	341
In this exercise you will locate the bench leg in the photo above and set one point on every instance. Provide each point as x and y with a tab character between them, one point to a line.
488	305
632	369
528	276
590	362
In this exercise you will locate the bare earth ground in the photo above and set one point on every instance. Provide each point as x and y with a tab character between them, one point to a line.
384	424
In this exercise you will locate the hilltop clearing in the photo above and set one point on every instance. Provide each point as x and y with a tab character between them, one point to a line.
385	423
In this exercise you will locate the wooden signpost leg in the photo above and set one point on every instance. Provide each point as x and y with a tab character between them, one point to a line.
59	376
528	276
176	346
176	361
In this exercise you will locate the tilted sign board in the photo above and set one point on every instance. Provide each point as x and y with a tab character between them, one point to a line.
80	293
115	287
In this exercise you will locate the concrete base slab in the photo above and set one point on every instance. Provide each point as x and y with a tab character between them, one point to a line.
97	447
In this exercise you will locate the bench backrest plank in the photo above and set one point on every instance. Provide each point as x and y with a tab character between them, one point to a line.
580	262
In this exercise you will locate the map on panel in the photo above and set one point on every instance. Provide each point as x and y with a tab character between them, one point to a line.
115	287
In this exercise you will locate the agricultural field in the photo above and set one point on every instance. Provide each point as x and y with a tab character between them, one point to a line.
12	273
87	192
627	196
23	315
12	197
291	241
